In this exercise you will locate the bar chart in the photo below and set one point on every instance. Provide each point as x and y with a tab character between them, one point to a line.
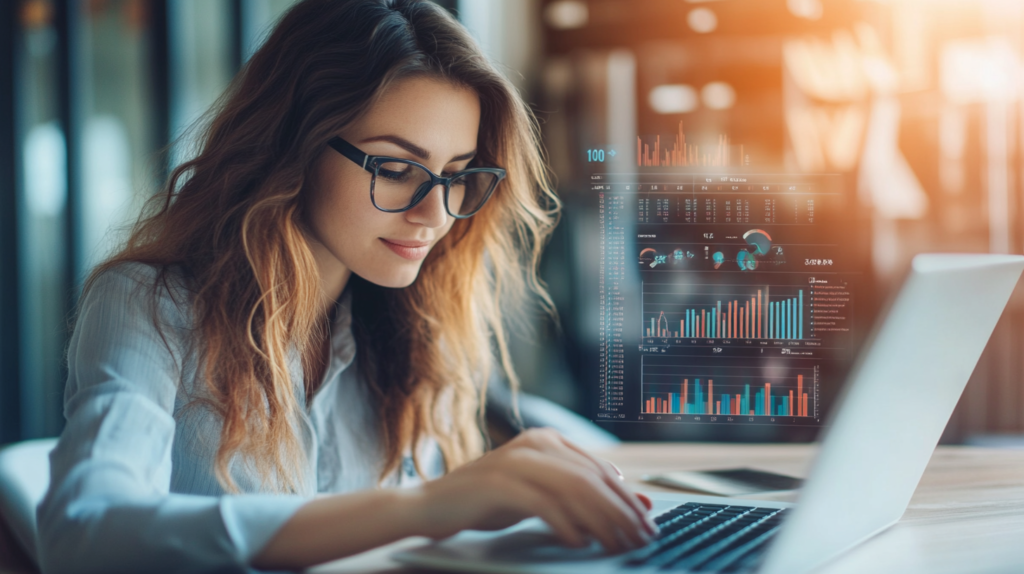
673	387
682	154
704	401
725	312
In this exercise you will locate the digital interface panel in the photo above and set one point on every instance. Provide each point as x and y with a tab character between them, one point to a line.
724	298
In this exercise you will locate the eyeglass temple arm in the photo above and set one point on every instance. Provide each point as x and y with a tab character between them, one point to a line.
351	152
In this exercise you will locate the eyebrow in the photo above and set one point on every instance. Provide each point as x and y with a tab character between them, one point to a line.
413	148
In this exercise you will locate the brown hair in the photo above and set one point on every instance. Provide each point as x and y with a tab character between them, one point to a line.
231	220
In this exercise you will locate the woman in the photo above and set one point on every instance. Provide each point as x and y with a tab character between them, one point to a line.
312	307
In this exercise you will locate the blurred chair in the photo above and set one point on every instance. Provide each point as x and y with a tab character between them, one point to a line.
24	478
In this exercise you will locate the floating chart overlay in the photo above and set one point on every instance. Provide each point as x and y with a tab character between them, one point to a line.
678	386
704	311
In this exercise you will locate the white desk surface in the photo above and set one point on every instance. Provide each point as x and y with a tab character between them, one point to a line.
967	515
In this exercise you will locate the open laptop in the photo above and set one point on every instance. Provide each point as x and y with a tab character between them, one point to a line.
887	422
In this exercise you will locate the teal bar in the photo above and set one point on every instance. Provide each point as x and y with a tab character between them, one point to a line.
726	405
801	323
653	332
789	319
745	403
793	314
718	316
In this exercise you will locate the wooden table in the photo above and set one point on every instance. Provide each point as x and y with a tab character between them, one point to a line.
966	516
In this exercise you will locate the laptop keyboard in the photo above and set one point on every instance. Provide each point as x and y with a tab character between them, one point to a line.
710	538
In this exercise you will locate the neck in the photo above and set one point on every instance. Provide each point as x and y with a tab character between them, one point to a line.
334	275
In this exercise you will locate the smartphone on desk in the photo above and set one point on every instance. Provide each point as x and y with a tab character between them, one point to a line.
726	482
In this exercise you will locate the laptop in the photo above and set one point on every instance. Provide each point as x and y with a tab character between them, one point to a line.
889	417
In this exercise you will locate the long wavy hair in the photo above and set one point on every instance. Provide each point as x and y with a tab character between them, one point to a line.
231	221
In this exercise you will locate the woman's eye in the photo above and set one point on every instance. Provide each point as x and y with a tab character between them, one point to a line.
394	172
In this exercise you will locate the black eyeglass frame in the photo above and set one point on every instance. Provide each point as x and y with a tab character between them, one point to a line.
372	163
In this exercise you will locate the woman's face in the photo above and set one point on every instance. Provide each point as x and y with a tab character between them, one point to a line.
423	119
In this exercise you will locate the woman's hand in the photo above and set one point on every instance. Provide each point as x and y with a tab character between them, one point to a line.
538	473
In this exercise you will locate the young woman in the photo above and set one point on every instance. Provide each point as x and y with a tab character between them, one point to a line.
312	307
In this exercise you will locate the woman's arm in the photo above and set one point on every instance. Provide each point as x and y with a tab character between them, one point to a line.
109	507
537	474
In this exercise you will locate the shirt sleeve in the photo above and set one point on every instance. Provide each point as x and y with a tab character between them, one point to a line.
109	507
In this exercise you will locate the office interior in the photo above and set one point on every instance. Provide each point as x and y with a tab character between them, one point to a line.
914	107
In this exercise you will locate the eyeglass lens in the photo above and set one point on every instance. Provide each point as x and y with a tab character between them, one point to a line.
398	184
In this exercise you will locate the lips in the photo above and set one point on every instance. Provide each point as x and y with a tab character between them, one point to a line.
411	250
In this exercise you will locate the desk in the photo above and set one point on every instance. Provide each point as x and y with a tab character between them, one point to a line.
967	515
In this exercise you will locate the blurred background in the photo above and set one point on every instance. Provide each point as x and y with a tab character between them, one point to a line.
918	105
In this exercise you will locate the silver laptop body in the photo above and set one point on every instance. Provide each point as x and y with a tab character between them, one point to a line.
884	428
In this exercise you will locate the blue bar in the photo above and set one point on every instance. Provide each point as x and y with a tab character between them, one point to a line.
793	314
789	319
801	323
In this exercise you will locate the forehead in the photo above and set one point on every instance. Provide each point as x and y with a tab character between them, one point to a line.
435	114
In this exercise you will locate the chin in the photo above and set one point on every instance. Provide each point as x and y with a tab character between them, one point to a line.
392	278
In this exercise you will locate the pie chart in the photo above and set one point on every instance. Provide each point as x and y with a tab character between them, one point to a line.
759	240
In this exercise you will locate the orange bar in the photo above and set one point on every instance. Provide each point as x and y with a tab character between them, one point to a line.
682	404
800	394
768	399
647	406
718	407
758	312
753	321
738	405
790	402
804	405
703	324
711	393
735	325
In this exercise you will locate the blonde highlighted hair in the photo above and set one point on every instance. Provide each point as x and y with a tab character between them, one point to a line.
231	220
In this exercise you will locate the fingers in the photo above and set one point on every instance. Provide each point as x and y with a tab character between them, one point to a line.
551	512
557	445
589	501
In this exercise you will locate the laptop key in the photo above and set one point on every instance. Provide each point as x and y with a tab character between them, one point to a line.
709	537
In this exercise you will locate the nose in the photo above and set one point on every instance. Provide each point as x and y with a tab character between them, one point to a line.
430	212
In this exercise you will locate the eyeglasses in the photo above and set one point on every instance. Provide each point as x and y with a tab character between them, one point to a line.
400	184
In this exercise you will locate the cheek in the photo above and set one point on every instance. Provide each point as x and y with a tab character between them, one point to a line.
345	217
